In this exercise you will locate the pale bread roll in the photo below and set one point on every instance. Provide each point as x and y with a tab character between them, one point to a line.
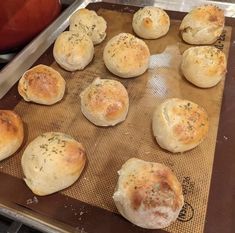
126	56
42	84
73	51
148	194
204	66
202	25
11	133
88	22
105	102
151	22
51	162
179	125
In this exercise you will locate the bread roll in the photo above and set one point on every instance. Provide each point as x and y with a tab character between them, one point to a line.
151	22
126	56
105	102
148	194
179	125
42	84
88	22
204	66
202	25
11	133
73	51
51	162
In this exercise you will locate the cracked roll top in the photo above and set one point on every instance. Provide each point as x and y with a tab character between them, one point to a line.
202	25
126	56
179	125
51	162
105	102
151	22
148	194
11	133
204	66
42	84
88	22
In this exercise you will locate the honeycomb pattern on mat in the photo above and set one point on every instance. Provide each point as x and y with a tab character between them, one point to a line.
108	148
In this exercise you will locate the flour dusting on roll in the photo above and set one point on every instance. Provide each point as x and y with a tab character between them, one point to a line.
42	84
88	22
51	162
105	102
204	66
202	25
148	194
126	56
73	51
151	22
179	125
11	133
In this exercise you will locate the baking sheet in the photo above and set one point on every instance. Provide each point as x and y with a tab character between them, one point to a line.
108	148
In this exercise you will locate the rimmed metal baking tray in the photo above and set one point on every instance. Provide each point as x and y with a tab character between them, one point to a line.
219	188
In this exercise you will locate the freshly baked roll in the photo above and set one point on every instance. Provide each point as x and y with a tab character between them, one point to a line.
126	56
11	133
179	125
105	102
73	51
151	22
51	162
148	194
202	25
88	22
42	84
204	66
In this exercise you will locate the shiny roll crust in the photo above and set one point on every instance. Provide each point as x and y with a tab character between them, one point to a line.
105	102
179	125
202	25
52	162
11	133
126	56
204	66
73	51
88	22
42	84
148	194
151	22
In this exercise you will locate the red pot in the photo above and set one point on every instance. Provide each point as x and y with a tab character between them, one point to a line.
21	20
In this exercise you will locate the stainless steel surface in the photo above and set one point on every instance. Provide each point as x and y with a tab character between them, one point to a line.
35	221
14	228
4	58
25	59
178	5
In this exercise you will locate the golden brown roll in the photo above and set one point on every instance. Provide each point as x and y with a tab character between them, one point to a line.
42	84
179	125
11	133
202	25
88	22
126	56
73	51
105	102
148	194
204	66
151	22
51	162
